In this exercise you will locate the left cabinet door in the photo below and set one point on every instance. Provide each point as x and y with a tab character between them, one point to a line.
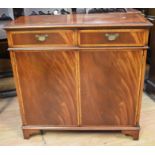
47	84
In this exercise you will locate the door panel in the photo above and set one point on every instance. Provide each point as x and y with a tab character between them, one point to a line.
109	86
48	86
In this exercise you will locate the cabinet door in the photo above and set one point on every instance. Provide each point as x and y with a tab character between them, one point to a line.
47	80
110	81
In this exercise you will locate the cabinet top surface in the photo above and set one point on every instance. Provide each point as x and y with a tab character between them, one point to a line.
80	20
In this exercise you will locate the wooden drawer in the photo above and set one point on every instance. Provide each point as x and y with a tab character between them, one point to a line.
42	38
115	37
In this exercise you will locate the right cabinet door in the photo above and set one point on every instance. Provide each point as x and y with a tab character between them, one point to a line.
110	86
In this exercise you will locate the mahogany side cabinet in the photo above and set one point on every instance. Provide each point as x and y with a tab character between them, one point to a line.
80	71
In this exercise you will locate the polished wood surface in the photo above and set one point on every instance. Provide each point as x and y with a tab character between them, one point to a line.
29	132
48	83
125	37
132	133
86	75
119	77
49	38
80	20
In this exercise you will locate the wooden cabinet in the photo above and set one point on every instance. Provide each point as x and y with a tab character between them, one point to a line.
79	72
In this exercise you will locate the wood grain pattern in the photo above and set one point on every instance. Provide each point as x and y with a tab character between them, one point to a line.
141	86
127	37
18	87
110	20
55	38
48	86
109	87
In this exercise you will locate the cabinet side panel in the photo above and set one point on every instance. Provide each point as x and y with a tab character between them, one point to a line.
110	86
48	86
18	88
141	86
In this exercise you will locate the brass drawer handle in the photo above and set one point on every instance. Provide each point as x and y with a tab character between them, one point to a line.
112	36
41	37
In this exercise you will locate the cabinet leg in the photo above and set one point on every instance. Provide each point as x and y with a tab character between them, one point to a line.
133	133
28	132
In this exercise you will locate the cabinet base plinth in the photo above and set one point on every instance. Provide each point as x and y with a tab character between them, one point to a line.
27	133
128	131
133	133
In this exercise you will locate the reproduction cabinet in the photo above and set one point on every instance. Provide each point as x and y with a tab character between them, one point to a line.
79	72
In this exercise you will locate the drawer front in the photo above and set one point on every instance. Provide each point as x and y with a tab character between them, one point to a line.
42	38
117	37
